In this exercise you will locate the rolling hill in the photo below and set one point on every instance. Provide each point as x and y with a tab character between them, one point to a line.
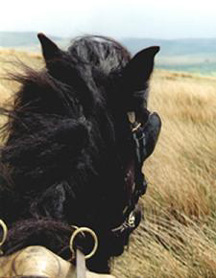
191	55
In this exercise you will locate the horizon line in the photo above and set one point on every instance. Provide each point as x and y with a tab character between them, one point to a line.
118	37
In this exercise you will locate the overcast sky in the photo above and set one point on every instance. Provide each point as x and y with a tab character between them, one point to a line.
118	18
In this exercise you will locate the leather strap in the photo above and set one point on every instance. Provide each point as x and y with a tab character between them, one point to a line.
80	264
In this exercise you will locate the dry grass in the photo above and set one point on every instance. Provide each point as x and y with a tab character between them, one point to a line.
178	238
10	61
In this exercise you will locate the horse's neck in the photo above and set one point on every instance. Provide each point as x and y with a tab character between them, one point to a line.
37	260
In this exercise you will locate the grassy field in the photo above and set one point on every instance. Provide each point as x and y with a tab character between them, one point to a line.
178	236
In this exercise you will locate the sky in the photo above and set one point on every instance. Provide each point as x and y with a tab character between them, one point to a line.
161	19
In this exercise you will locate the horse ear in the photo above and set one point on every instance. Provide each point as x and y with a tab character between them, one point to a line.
136	76
49	49
139	69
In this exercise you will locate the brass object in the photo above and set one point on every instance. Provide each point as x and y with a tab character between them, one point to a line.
83	230
39	261
4	236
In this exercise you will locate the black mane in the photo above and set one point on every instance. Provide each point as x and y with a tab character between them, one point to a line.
69	147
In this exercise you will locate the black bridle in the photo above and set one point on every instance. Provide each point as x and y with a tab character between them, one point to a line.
145	138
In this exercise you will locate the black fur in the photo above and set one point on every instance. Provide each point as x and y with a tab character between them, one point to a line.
69	146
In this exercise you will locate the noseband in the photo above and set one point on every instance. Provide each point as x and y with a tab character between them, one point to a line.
131	215
145	138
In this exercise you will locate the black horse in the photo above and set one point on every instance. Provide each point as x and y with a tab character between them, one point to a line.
71	154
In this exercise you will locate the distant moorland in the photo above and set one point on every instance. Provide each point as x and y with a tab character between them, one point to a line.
191	55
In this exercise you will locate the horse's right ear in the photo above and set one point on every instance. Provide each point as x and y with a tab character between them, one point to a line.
135	78
139	69
49	49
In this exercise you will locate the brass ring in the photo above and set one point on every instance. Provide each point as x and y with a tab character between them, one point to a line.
84	230
5	232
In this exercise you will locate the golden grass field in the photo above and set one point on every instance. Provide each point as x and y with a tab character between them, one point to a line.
178	236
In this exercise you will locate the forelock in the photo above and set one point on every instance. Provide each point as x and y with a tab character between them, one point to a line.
100	52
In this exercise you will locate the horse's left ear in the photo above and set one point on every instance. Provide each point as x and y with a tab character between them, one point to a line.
136	75
49	48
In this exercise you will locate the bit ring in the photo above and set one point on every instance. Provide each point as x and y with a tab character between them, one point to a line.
83	230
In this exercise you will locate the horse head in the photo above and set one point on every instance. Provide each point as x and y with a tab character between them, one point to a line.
77	136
